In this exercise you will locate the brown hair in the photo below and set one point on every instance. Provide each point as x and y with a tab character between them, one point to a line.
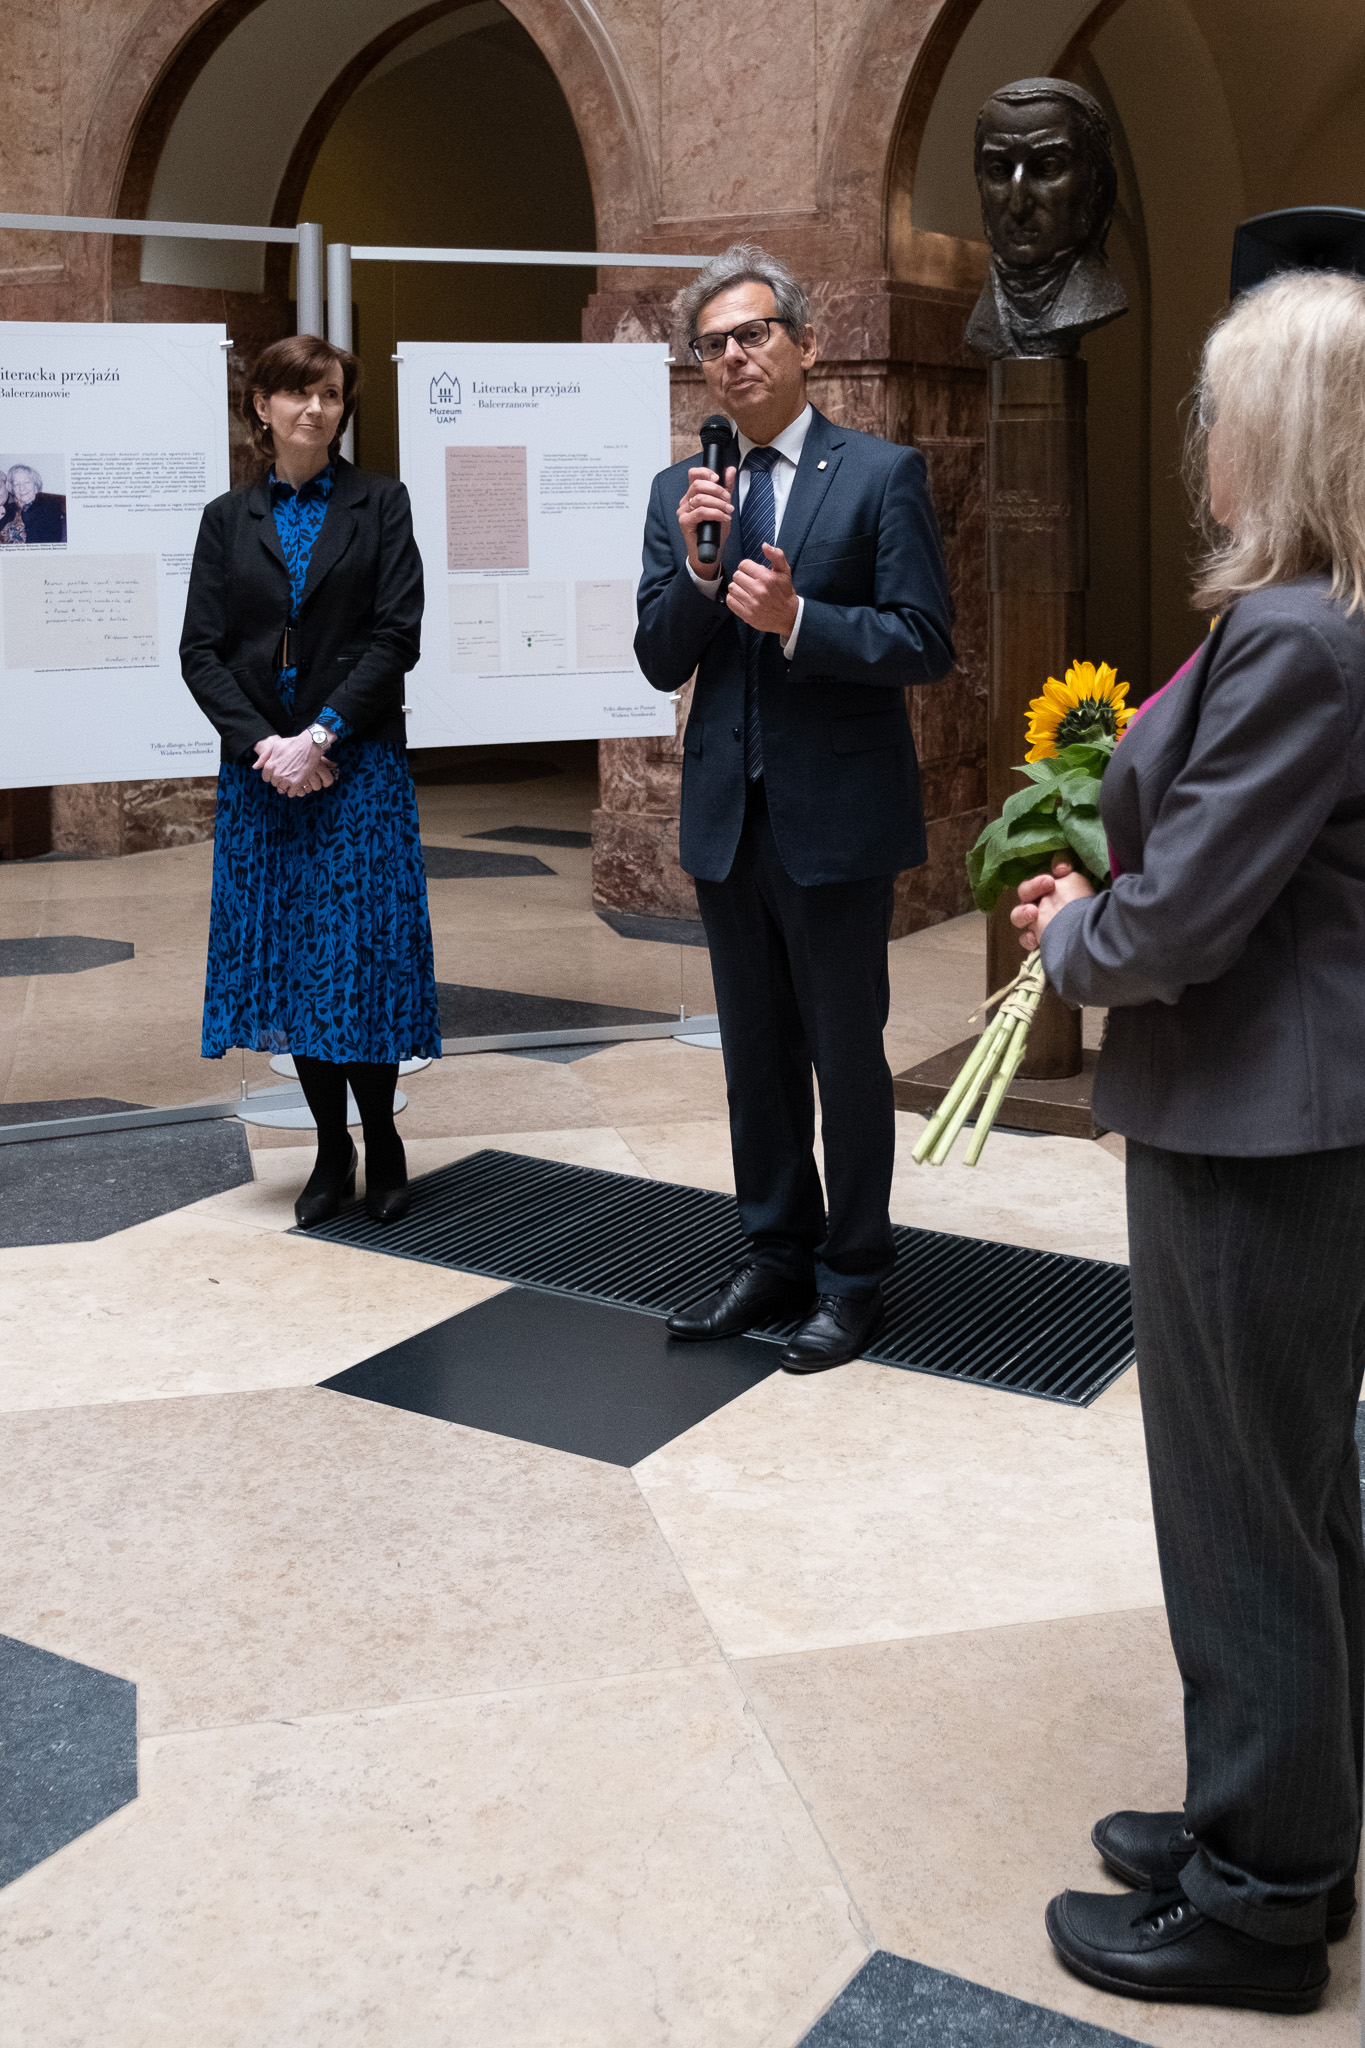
292	365
1284	376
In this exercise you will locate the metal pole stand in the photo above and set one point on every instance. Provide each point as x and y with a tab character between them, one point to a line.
339	317
308	284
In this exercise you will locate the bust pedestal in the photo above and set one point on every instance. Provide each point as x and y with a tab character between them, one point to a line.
1037	568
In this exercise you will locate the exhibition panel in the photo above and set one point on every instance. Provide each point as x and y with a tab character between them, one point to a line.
529	468
115	437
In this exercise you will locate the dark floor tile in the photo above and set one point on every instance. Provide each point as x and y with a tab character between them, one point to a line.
60	955
67	1106
557	1055
468	1012
68	1752
892	2003
575	1376
68	1190
535	835
665	931
472	864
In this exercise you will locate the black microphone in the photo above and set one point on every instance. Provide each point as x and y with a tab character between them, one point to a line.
716	434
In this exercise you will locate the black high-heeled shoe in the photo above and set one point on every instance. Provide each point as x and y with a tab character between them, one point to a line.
387	1205
387	1194
324	1193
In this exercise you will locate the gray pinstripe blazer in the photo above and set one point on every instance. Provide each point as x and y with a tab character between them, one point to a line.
1231	950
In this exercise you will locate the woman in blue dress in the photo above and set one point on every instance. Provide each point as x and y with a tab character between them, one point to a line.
302	619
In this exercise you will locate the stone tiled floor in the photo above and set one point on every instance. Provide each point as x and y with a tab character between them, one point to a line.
517	1746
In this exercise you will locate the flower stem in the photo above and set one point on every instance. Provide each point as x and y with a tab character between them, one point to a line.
1005	1073
966	1102
981	1056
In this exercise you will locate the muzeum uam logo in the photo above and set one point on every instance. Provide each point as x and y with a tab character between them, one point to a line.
445	399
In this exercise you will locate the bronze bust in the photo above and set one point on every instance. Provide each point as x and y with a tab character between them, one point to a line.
1045	170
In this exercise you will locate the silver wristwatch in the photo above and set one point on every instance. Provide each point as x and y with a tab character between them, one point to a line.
321	735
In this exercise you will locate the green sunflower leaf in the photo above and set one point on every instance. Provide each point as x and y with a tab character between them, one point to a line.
1024	802
1092	756
1078	786
1085	835
1005	855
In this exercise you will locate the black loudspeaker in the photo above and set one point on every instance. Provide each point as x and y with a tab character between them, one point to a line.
1298	238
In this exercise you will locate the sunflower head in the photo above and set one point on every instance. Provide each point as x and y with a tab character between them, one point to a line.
1090	705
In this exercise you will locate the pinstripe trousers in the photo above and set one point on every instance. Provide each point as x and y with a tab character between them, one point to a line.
1249	1311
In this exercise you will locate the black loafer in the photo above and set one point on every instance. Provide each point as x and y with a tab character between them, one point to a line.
1159	1947
838	1328
1149	1851
324	1195
752	1296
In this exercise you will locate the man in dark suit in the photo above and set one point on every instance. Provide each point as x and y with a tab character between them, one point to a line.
800	799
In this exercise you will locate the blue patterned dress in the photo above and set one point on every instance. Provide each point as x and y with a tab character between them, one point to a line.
319	938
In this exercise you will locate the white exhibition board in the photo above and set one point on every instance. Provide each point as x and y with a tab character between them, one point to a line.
529	465
124	427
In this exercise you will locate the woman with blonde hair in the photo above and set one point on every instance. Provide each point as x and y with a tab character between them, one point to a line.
1230	953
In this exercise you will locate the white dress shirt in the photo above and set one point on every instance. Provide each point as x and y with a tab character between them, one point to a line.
788	444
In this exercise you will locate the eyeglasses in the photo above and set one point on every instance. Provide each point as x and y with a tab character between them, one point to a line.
709	348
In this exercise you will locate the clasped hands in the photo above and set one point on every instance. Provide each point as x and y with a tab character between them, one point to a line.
295	767
1042	896
762	596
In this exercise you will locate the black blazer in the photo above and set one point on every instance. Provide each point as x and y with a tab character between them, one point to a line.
45	518
839	763
359	627
1231	950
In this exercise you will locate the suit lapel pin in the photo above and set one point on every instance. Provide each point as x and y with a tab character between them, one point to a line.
819	465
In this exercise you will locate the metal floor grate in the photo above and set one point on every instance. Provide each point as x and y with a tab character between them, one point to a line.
962	1308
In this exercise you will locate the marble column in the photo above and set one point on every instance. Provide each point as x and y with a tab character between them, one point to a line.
892	362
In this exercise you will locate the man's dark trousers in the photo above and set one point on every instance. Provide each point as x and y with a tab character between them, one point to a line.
801	981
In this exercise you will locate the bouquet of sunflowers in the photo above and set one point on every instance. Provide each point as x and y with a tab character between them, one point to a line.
1072	731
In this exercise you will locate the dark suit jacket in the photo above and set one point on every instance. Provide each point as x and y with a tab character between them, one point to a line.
45	518
359	626
1231	950
838	760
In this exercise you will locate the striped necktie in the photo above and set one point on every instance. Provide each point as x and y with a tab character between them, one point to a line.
757	523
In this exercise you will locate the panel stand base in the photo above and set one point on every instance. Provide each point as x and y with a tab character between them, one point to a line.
1059	1107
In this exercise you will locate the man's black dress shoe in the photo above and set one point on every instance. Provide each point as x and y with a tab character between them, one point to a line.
753	1295
1149	1851
324	1194
1157	1946
838	1328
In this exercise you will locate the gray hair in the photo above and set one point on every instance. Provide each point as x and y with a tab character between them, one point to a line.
26	469
745	263
1284	376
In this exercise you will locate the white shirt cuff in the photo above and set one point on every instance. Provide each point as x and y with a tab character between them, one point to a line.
789	644
708	585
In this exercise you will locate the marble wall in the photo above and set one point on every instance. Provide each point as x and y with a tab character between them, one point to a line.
700	124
